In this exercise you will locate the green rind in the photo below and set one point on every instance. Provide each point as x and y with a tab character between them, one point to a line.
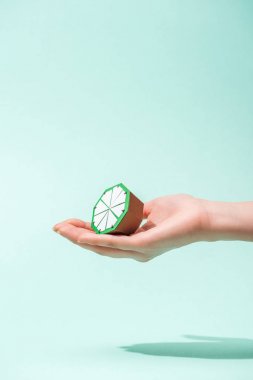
121	216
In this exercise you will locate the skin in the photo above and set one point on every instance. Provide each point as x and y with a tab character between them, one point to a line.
170	222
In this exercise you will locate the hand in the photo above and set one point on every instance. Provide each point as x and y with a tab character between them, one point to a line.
171	222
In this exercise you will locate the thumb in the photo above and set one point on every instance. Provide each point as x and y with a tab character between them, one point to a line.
145	227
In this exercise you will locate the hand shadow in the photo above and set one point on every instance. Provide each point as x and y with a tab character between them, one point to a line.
202	347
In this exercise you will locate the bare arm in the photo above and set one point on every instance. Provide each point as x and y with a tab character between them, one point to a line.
171	222
228	220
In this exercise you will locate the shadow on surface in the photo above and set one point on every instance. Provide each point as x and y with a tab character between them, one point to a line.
204	347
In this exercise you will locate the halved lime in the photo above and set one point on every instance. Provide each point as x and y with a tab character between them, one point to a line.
111	208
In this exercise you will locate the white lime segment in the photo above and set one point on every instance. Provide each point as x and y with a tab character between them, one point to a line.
102	225
118	210
116	191
119	199
111	220
100	207
98	218
107	197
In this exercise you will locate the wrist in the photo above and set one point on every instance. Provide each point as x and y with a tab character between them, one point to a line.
227	220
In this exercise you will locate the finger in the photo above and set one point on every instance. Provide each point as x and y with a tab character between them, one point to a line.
70	231
123	242
147	209
80	223
145	227
81	235
114	253
72	235
74	222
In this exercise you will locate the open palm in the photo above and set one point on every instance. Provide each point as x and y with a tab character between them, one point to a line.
170	222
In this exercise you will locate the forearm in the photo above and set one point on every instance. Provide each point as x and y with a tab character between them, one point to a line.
228	221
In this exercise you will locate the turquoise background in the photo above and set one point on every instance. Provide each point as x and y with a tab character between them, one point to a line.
154	94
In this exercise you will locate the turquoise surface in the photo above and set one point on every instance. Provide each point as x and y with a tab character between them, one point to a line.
157	95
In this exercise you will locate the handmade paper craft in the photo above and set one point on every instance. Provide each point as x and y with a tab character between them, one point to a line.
118	211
